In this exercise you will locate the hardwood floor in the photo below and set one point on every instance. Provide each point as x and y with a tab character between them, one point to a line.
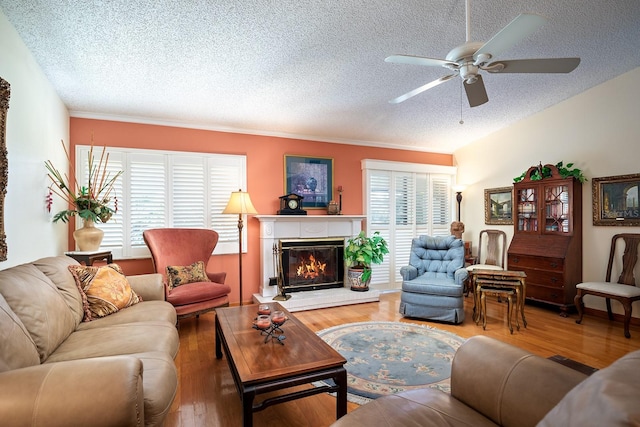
207	396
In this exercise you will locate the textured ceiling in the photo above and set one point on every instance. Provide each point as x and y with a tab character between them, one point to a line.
314	69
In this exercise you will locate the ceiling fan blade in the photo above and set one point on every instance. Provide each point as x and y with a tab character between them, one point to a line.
546	65
522	26
476	93
419	60
421	89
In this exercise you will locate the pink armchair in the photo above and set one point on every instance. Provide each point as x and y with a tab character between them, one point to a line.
183	247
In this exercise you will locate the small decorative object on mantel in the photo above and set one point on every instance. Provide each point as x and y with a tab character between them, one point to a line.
359	253
90	202
291	204
332	208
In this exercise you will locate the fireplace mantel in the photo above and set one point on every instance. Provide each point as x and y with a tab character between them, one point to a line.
276	227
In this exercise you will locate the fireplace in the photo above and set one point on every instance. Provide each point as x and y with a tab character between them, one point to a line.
274	228
312	264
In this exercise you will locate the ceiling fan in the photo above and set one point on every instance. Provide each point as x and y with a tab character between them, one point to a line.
469	59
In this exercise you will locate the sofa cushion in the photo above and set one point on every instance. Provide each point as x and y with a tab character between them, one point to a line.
18	348
424	407
113	340
192	293
36	301
606	398
106	290
180	275
433	286
147	311
57	269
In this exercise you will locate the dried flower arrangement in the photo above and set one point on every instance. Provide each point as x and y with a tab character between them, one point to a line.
90	202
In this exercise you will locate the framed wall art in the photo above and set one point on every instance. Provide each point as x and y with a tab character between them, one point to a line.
615	200
498	206
5	92
311	178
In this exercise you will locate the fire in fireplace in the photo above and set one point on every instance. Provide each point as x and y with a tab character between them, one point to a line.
310	264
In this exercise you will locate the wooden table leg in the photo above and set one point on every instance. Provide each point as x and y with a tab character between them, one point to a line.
523	295
509	311
477	307
483	312
341	398
248	395
218	342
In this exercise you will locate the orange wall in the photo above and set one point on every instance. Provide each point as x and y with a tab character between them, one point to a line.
265	180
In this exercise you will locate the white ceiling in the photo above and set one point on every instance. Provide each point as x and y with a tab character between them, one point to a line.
314	69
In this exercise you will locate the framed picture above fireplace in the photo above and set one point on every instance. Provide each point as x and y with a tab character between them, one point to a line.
311	178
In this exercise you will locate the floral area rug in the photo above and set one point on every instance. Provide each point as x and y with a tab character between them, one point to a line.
389	357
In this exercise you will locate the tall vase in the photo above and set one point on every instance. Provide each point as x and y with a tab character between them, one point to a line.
89	237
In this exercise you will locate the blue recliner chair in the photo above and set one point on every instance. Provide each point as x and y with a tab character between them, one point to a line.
433	282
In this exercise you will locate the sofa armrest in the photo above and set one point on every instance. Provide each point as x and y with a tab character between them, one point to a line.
104	391
507	384
408	272
460	275
149	286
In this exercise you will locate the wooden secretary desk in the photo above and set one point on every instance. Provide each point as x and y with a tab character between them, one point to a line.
547	239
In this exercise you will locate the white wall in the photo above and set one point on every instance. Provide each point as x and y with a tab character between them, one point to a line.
36	122
598	131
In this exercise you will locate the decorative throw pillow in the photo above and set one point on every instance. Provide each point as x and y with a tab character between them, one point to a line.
180	275
105	290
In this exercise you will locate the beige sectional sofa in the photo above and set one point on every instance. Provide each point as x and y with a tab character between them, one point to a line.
496	384
56	370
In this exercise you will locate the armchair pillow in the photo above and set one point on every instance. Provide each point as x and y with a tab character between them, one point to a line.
105	290
179	275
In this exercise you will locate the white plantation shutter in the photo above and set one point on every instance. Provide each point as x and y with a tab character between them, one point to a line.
148	204
188	192
441	205
169	189
379	192
403	201
379	217
227	176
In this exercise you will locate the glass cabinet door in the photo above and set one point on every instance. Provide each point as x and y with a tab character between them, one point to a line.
527	209
557	209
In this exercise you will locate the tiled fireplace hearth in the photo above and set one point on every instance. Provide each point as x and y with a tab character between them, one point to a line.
274	228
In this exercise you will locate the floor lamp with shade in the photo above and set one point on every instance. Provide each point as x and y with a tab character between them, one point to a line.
240	204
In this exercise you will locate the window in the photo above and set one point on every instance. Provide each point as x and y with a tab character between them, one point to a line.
402	201
168	189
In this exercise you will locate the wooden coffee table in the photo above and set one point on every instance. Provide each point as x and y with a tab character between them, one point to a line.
258	367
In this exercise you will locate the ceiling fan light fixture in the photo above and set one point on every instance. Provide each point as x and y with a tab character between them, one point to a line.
469	72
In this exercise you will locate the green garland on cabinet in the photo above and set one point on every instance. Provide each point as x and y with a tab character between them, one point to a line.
543	172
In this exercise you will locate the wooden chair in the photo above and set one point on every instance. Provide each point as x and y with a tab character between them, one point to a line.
183	247
624	290
493	244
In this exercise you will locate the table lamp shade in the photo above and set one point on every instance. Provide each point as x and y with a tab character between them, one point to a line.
239	203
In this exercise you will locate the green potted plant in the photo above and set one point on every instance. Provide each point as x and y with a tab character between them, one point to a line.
360	253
